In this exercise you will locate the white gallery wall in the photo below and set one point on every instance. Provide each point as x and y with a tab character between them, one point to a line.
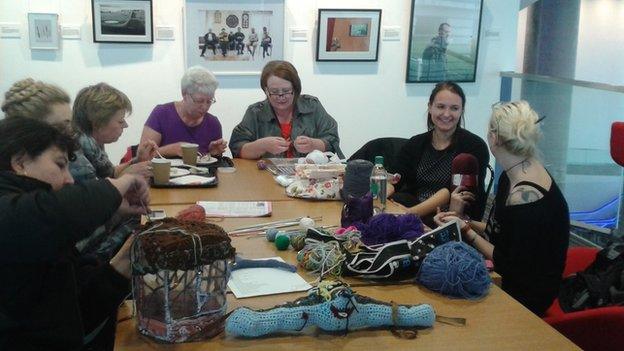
368	99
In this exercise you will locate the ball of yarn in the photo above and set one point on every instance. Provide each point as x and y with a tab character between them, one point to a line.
385	227
271	233
298	241
282	242
261	164
455	269
356	180
306	222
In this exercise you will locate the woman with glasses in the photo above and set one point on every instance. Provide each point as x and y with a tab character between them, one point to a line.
528	227
187	120
426	159
286	123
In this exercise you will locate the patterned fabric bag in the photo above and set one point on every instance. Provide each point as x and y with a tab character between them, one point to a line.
328	189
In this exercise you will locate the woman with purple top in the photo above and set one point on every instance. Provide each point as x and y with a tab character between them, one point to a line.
187	121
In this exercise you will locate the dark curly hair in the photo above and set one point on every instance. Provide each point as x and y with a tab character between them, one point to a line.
27	136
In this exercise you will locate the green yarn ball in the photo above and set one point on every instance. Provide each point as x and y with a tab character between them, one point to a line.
282	242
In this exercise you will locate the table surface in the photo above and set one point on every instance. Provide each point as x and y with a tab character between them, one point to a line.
246	184
494	322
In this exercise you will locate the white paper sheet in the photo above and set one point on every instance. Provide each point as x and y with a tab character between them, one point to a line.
251	282
237	208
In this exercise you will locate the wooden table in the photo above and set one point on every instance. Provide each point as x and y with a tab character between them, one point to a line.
497	322
246	184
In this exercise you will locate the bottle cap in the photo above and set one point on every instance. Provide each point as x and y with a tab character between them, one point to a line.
379	160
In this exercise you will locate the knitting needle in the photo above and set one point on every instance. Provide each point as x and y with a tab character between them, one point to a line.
260	225
270	225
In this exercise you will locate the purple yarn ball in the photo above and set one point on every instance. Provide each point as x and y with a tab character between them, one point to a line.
384	228
410	226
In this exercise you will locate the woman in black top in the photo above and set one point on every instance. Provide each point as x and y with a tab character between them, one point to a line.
50	298
528	227
425	161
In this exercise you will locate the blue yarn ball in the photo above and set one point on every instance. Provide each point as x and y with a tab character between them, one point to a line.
271	233
455	269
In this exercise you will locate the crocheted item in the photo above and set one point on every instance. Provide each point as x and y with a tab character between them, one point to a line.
171	244
331	306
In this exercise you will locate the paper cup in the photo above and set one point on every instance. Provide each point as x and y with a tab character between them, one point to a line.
161	168
189	153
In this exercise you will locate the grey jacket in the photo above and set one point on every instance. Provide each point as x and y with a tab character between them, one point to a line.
310	119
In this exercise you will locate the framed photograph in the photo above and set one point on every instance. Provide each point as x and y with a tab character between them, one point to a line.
443	41
122	21
348	35
43	31
233	37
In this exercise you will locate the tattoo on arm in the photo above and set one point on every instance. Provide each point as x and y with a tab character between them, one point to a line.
523	195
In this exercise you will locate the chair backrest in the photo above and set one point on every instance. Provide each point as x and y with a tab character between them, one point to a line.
387	147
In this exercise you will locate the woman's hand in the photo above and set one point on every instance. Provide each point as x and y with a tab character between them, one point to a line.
217	147
274	145
134	192
460	198
144	169
146	150
305	144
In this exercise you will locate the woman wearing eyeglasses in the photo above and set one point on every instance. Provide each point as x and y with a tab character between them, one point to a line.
286	123
188	120
528	227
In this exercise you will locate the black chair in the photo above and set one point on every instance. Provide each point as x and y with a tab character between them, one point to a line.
387	147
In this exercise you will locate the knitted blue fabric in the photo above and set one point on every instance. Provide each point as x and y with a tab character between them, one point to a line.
344	311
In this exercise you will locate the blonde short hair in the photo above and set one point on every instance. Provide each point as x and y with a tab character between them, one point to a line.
516	126
96	105
29	98
197	79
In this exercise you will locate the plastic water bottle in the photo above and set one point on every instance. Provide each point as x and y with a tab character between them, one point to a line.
379	185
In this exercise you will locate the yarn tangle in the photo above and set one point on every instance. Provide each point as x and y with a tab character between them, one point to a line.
455	269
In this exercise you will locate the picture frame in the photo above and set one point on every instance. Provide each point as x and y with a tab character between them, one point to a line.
122	21
43	31
443	41
233	37
348	34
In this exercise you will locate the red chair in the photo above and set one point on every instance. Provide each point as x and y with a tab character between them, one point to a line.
596	329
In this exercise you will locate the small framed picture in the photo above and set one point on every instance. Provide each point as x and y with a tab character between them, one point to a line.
348	35
43	31
122	21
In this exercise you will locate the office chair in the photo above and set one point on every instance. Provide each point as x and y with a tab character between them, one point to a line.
593	329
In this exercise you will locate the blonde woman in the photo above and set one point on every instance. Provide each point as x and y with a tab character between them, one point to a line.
528	228
29	98
99	115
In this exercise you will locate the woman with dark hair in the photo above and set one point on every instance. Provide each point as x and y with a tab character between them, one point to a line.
286	123
425	160
50	298
529	225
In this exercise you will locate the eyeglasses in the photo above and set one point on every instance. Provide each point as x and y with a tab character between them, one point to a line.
278	93
201	102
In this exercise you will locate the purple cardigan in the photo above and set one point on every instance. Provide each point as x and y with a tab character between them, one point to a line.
165	120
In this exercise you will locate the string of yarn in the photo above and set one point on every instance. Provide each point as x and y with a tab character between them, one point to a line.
455	269
322	258
384	228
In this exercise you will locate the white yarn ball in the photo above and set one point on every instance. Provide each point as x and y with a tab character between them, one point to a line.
306	222
317	157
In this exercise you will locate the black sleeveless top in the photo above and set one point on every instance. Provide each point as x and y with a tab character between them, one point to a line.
530	244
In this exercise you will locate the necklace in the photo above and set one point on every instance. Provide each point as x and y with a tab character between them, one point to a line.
516	165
